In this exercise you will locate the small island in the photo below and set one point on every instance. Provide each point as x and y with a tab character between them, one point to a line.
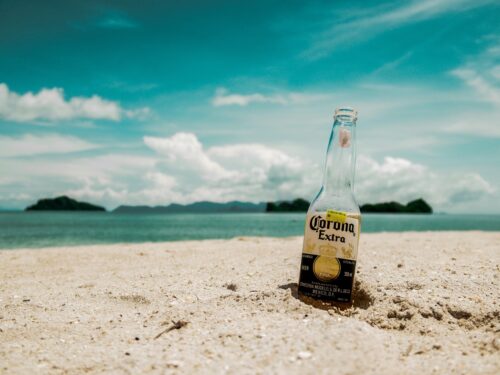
63	203
297	205
417	206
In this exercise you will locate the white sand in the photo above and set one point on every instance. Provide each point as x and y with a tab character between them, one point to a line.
426	303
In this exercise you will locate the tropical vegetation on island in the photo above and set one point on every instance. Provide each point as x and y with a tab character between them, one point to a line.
297	205
419	206
65	203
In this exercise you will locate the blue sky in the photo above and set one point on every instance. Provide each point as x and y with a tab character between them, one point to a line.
157	102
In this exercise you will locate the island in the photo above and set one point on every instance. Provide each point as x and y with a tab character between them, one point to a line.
417	206
197	207
63	203
297	205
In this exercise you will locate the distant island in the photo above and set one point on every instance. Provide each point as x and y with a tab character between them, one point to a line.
418	206
198	207
297	205
63	203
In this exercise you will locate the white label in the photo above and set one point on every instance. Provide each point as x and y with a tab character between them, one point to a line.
331	235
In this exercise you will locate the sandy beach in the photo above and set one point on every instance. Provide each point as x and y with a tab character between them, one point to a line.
425	303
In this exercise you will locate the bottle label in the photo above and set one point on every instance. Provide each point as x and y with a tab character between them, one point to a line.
329	255
332	215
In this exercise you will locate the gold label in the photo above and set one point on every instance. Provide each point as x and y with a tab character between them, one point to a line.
326	268
332	215
328	262
333	235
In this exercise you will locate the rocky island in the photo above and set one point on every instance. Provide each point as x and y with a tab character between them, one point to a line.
63	203
297	205
417	206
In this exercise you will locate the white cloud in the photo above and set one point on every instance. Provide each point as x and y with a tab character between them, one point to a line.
482	73
103	169
381	18
484	88
269	172
183	152
476	124
29	144
247	156
187	172
402	180
139	113
495	72
224	98
391	65
223	173
182	170
109	179
50	105
426	9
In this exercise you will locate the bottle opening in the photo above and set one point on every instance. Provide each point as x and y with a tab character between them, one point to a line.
346	114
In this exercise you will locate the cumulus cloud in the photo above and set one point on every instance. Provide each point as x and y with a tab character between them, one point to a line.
259	172
183	152
402	180
50	105
108	179
238	171
180	169
30	144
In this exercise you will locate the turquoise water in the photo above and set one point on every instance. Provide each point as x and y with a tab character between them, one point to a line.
41	229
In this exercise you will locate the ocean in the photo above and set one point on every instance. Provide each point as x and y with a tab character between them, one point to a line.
43	229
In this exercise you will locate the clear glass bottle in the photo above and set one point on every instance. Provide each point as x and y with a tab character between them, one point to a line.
333	219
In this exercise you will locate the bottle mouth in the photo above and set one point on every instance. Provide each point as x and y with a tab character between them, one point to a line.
346	114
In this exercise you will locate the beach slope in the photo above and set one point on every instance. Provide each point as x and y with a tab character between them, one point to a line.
425	303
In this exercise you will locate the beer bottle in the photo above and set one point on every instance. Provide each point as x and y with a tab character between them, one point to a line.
333	219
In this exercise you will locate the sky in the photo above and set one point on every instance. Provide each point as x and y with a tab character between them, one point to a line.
154	102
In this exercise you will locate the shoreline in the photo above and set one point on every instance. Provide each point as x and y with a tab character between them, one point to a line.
426	302
155	243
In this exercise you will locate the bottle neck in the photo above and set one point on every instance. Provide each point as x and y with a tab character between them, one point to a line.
340	159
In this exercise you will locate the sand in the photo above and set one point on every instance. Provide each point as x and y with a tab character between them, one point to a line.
426	303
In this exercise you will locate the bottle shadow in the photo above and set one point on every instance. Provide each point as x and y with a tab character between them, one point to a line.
362	298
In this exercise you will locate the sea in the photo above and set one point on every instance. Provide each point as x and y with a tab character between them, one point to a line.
48	229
